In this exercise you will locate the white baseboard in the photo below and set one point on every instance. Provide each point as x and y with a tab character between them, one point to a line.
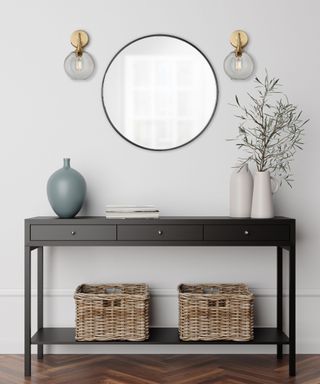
160	292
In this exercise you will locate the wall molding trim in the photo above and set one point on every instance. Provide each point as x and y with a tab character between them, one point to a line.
157	292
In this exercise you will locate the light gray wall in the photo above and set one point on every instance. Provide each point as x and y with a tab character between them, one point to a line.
45	116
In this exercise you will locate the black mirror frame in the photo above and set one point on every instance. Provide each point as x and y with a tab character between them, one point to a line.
214	108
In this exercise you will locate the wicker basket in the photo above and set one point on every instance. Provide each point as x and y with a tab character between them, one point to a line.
112	312
215	312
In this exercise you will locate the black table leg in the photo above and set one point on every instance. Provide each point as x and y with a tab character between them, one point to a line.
279	298
27	311
40	297
292	310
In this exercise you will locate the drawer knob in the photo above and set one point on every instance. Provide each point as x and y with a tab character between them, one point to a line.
246	233
160	232
73	233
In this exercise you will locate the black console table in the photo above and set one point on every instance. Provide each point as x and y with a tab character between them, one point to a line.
278	232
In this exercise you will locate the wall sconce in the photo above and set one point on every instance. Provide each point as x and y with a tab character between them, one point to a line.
79	65
238	65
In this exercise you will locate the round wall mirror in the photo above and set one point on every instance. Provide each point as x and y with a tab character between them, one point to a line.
159	92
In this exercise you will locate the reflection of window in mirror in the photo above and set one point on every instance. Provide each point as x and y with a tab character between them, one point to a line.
159	92
164	96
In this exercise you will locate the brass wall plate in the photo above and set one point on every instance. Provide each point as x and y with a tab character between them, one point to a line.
243	37
84	38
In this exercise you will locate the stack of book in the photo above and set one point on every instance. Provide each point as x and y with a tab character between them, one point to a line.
132	211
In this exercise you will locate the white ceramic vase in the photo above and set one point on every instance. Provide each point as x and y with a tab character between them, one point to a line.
241	186
263	188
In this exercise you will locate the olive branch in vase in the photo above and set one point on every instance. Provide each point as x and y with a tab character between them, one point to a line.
271	130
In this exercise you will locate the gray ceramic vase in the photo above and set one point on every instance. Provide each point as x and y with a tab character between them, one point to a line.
66	189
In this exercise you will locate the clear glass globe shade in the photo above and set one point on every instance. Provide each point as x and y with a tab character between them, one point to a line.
79	67
238	67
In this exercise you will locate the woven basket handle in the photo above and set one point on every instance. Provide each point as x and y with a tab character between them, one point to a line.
113	290
211	290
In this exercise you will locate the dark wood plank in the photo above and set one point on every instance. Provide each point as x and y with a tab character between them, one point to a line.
159	369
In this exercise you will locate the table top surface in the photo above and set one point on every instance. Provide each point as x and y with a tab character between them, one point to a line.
162	219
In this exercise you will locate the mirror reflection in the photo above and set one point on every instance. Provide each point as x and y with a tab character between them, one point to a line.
159	92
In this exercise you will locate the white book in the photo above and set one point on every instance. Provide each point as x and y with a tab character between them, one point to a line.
131	208
133	215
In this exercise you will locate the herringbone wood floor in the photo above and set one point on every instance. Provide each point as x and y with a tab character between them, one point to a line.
156	369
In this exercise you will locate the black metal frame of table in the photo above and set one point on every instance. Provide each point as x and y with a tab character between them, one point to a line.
277	232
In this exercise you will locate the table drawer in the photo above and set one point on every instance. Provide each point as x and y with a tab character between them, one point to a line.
160	232
246	232
73	232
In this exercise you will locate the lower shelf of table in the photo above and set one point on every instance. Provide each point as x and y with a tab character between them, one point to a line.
157	336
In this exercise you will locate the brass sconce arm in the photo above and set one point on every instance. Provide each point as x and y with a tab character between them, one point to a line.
239	47
79	39
79	49
239	39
